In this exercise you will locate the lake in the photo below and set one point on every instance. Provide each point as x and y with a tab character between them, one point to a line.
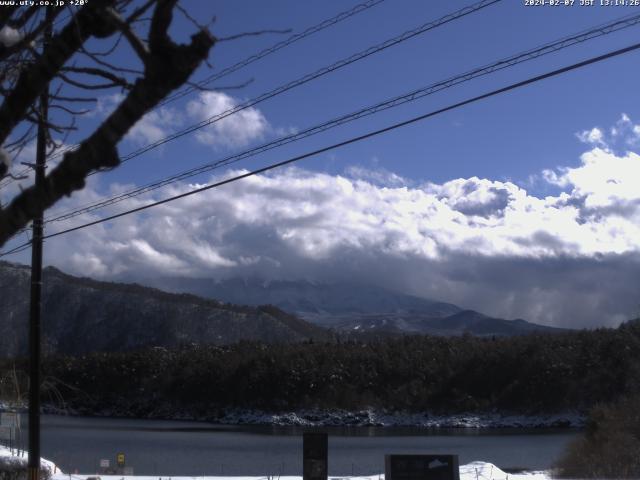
171	448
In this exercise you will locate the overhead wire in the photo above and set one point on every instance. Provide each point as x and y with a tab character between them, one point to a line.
305	79
274	48
554	46
344	15
18	249
407	35
395	126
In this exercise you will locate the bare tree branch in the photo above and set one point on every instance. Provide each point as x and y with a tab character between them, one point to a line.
87	86
109	65
189	17
6	13
24	18
136	42
114	79
69	110
33	117
34	79
5	52
140	11
74	99
169	66
107	52
20	140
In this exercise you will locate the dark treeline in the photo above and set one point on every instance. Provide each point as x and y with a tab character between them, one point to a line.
527	374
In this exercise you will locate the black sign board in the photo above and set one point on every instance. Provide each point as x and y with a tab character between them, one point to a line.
421	467
314	456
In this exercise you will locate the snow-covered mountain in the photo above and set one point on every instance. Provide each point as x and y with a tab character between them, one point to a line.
82	315
305	297
350	307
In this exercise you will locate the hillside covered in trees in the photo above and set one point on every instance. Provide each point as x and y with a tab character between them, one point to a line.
530	374
82	315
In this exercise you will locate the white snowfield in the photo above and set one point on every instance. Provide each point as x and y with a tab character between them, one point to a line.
13	459
470	471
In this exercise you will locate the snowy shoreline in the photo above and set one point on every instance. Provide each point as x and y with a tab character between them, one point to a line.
421	420
471	471
338	418
343	418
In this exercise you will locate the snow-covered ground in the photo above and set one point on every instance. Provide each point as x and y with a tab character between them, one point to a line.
470	471
12	460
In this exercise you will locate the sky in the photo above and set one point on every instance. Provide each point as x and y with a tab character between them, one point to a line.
523	205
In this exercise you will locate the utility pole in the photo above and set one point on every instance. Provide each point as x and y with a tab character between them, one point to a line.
36	279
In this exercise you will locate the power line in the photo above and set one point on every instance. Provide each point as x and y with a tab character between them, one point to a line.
352	140
274	48
414	95
305	79
317	74
8	180
395	126
18	249
361	7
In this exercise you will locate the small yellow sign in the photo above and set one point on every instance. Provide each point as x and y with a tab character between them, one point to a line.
120	459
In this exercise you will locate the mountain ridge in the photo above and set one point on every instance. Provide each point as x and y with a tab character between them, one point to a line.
81	315
354	308
304	296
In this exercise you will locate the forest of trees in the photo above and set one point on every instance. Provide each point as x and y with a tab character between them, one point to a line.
527	374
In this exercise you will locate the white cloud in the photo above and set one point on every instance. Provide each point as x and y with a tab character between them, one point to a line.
237	130
377	176
571	258
593	136
623	135
604	179
27	177
106	104
155	125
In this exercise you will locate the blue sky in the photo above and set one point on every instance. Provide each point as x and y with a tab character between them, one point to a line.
509	137
466	207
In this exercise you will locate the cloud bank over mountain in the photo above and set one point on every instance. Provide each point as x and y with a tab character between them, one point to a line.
568	259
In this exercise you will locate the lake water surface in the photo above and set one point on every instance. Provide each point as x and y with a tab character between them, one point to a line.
171	448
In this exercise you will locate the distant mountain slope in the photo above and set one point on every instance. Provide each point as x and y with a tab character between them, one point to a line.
466	321
353	308
482	325
308	298
82	315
